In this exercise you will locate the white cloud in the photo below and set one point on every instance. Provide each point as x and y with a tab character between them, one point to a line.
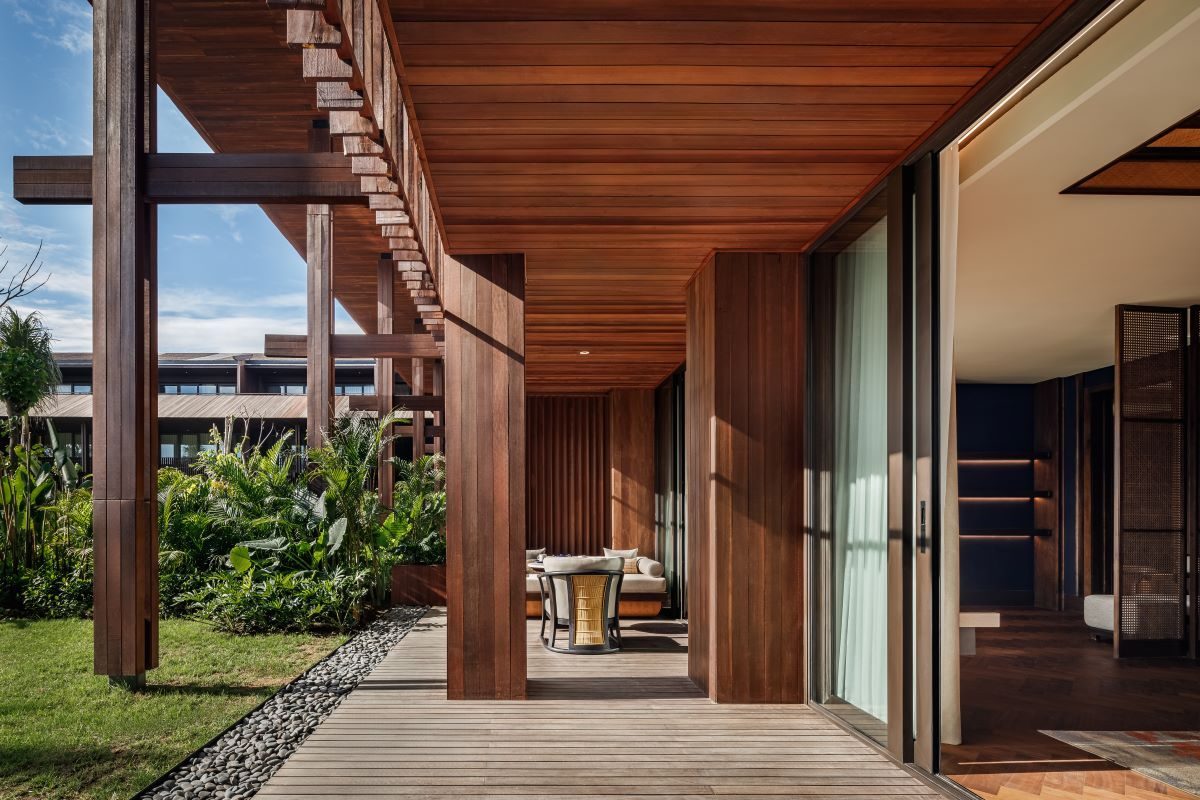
232	334
71	327
193	238
62	23
75	39
214	303
229	214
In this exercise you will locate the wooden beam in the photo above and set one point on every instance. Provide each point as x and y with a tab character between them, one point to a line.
351	345
385	372
406	402
199	178
124	326
320	322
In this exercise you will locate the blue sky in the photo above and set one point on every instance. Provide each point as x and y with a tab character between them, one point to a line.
226	275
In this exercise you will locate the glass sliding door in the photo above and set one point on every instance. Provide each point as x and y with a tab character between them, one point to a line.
669	491
849	472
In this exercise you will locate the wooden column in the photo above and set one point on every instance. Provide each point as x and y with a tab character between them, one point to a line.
124	326
485	475
319	255
439	419
320	322
745	420
418	415
631	480
385	371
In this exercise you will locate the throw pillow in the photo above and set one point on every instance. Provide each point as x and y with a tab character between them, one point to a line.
631	566
610	553
532	555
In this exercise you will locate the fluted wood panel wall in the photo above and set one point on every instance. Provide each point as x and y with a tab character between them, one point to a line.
568	477
631	447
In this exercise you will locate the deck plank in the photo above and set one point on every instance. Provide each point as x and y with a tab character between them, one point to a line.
629	724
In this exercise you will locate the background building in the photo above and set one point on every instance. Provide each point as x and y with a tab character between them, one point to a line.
198	391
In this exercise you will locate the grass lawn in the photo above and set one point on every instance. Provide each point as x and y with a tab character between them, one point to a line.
64	733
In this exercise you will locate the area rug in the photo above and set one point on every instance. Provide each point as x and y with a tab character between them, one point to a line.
1171	757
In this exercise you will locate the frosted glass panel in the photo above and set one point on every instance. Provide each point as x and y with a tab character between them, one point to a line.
856	586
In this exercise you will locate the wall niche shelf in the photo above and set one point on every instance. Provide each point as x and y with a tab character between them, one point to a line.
1003	534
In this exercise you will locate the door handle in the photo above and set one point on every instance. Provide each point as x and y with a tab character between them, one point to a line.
922	534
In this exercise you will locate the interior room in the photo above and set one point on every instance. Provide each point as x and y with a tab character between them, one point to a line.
1078	279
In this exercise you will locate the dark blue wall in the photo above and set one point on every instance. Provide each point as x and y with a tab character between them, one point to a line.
995	420
1070	477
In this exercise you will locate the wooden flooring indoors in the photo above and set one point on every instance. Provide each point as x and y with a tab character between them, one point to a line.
1040	670
623	725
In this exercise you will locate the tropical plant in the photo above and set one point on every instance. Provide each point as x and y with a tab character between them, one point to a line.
417	524
28	371
346	465
25	485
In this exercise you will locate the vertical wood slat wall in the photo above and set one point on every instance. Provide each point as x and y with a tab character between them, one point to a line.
485	407
1151	528
631	481
567	484
745	468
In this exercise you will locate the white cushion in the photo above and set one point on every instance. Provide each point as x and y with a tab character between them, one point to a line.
573	563
1098	611
532	555
630	584
648	566
643	584
610	553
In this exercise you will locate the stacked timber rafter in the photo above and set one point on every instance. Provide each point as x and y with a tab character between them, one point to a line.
348	52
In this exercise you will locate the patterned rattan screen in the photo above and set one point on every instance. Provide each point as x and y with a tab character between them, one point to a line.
1151	542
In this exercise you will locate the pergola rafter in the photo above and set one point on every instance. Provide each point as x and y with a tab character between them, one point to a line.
349	53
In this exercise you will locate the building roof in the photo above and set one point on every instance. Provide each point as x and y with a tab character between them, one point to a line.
204	406
67	358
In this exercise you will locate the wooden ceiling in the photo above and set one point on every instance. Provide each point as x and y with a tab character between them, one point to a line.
617	142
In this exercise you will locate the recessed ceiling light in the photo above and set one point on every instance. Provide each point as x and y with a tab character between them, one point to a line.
585	352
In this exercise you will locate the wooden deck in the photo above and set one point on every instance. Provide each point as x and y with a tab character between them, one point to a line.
624	725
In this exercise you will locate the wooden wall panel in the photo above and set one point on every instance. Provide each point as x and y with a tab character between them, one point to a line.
699	396
745	407
124	329
567	481
485	475
631	481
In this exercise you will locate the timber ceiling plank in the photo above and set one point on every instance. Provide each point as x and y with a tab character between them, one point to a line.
615	142
618	142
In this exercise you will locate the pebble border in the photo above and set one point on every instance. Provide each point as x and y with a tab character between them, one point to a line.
237	763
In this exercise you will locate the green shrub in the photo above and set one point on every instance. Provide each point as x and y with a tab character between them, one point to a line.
288	601
416	528
54	591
